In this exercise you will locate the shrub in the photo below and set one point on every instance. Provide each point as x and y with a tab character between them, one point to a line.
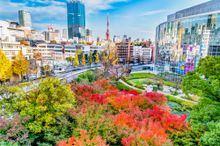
83	140
151	126
86	77
97	121
14	132
140	119
45	111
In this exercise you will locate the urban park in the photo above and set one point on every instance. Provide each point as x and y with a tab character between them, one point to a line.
104	107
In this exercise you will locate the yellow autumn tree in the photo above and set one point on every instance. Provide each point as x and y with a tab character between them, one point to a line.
83	59
20	65
97	60
109	56
76	60
90	58
110	67
5	67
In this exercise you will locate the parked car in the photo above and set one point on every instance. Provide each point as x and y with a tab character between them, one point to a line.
32	77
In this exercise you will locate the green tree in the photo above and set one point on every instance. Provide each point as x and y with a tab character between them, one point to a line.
44	109
90	58
46	104
205	82
70	59
20	65
83	59
5	67
76	60
47	69
97	60
212	137
86	77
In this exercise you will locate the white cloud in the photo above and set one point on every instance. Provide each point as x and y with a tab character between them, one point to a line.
153	12
53	12
95	5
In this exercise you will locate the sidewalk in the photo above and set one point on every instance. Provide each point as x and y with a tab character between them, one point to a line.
132	87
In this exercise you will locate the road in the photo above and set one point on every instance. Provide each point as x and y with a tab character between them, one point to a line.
67	77
64	77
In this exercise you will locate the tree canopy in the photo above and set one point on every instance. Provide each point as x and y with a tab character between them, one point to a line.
44	111
20	64
83	59
205	80
5	67
205	117
97	60
76	60
46	104
90	58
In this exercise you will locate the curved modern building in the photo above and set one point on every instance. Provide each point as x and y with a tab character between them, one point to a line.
187	36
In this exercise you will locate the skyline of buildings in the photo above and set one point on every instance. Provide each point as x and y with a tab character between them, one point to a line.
187	36
135	22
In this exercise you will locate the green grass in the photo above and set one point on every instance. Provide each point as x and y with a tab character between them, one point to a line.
143	81
121	86
138	79
186	104
24	84
140	75
130	82
171	84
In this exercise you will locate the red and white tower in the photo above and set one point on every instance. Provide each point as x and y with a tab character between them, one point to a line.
107	32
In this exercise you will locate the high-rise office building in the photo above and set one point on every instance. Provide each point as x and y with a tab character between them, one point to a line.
189	35
125	52
24	18
76	19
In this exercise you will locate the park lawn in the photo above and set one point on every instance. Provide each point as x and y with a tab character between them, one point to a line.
141	78
140	75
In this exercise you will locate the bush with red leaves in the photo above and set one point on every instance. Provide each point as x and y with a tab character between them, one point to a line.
143	119
83	140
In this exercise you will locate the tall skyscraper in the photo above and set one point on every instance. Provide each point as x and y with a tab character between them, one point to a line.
24	18
76	19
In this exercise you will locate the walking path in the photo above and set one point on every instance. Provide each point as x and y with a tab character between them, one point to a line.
135	88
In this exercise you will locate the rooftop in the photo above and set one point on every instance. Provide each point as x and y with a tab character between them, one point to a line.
204	8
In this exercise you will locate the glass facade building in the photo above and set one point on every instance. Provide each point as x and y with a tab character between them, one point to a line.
76	19
187	36
24	18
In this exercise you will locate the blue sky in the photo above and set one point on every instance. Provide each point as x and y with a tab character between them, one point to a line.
135	18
